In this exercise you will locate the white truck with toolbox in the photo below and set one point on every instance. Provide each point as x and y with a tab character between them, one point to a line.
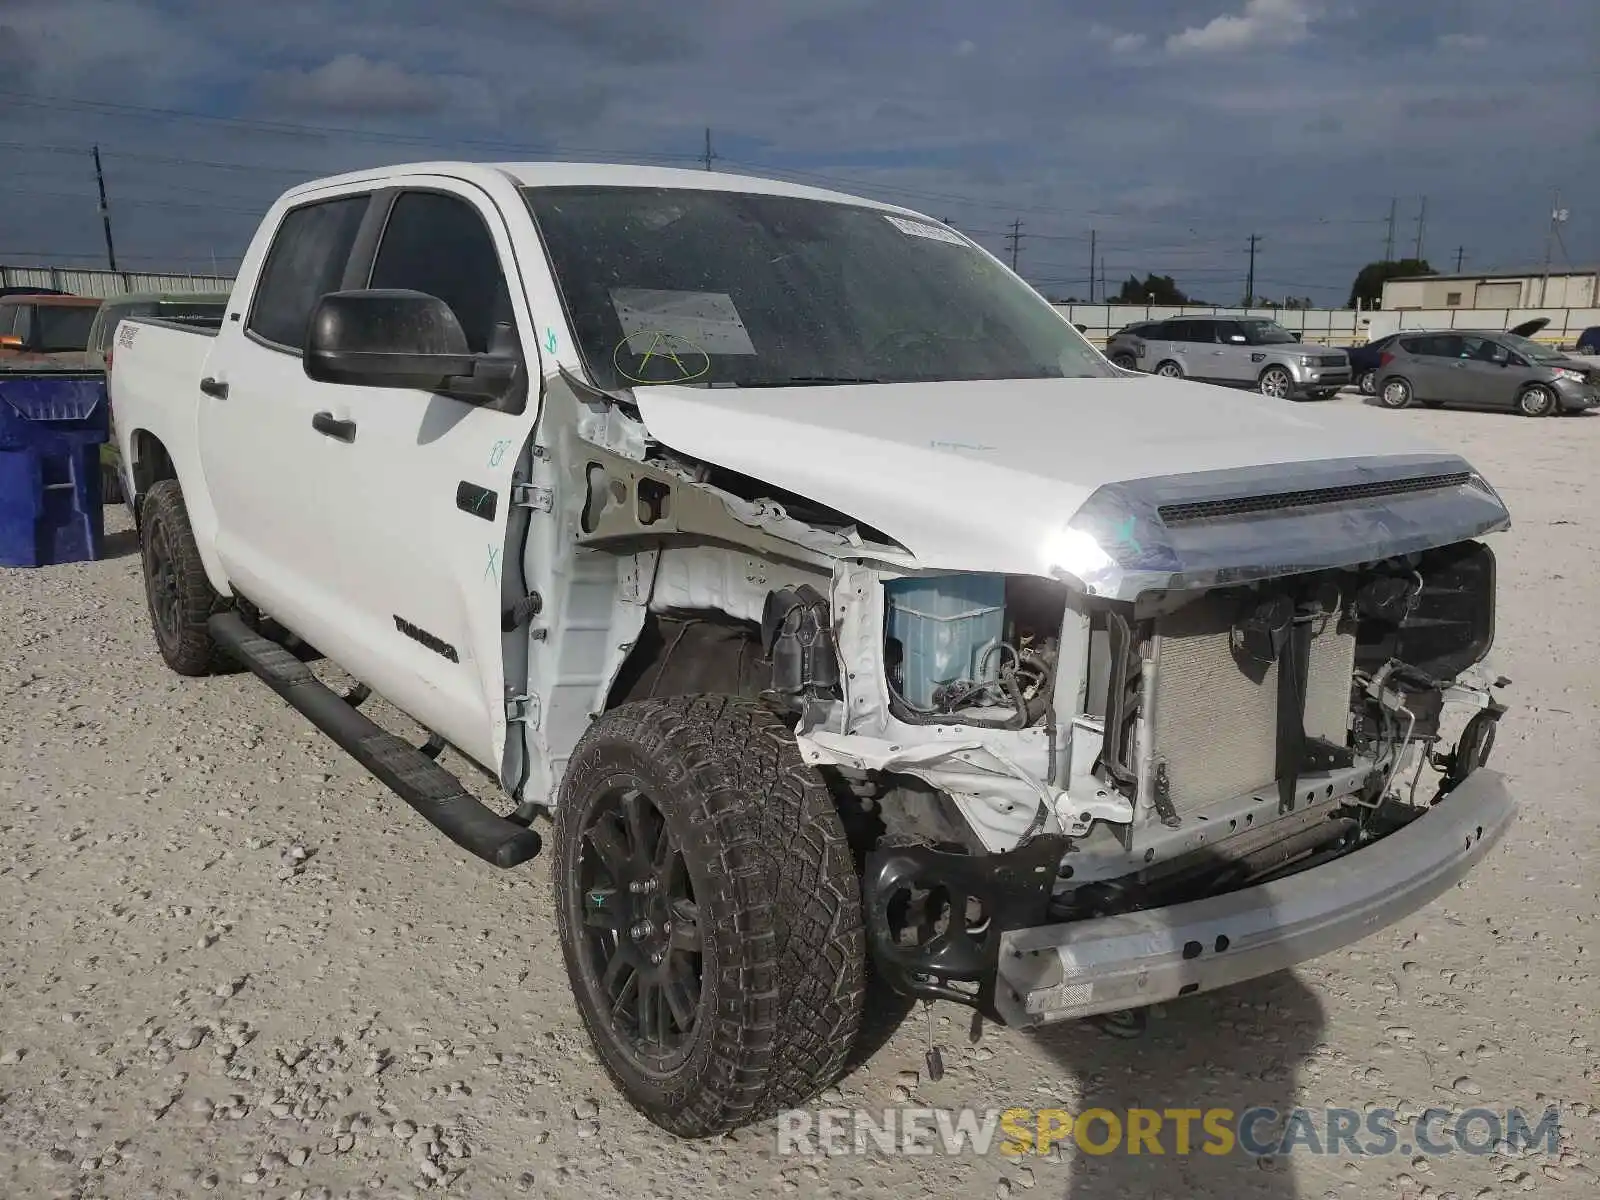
834	600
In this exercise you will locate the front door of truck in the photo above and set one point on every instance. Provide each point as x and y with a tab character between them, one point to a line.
424	539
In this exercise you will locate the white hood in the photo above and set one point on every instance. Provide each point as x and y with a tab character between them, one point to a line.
977	476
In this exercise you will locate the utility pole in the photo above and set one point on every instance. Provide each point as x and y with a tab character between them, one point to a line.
1460	254
1015	238
709	154
1552	235
1091	265
1250	279
1388	242
105	212
1105	296
1422	220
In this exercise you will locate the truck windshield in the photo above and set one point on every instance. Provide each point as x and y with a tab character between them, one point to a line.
60	328
672	285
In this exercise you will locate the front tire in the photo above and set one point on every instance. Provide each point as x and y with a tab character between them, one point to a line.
1277	383
1396	393
1536	401
181	599
710	912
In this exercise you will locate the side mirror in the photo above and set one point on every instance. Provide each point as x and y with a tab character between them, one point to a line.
395	338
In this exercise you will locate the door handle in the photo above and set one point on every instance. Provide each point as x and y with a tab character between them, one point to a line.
325	422
214	387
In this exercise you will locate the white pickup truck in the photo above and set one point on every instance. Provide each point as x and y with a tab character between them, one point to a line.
828	594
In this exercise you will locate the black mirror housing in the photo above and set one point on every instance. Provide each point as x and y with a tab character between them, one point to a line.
387	337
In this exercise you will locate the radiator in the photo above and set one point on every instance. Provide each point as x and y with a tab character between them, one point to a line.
1212	725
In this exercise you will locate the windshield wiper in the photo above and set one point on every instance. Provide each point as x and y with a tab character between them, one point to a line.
806	380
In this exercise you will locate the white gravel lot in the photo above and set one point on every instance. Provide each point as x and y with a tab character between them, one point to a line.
233	965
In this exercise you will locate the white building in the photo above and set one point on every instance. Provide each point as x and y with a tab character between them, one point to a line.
1501	289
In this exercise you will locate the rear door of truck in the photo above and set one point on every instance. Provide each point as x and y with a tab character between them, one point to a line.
391	553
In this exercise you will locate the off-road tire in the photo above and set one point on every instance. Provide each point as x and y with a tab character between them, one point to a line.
780	913
1169	370
166	537
1536	400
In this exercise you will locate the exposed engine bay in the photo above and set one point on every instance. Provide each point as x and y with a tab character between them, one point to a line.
1164	717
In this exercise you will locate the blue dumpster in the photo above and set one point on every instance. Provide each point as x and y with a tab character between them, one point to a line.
51	431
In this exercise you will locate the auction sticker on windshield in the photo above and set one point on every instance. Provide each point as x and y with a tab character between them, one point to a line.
922	229
708	320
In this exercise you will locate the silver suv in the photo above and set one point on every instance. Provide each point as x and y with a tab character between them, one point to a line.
1252	352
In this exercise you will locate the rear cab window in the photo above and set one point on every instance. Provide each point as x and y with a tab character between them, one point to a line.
60	328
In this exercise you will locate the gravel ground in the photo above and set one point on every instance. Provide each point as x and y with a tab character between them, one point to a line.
232	964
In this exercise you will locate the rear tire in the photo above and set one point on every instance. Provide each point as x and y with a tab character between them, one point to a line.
181	599
1126	361
1169	370
1395	393
1536	400
754	909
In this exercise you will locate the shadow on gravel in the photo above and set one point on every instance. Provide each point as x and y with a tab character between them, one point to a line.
1238	1048
122	544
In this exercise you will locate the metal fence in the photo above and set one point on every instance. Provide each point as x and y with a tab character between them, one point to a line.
1341	326
86	282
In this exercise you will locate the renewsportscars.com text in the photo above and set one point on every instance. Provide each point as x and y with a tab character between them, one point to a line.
1172	1131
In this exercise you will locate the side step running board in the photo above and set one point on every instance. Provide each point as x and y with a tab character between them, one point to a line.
410	773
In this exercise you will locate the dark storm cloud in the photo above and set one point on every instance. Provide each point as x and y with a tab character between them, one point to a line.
1172	128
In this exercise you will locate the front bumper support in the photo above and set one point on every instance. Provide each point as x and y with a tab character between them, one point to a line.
1078	969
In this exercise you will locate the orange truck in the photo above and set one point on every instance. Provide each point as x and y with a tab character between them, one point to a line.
39	332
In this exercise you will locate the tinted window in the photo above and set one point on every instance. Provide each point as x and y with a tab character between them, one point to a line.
439	244
1184	331
60	329
1436	345
1227	329
306	261
668	285
8	318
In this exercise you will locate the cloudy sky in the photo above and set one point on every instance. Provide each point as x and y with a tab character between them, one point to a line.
1174	129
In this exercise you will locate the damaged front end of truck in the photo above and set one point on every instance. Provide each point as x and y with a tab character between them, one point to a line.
1237	718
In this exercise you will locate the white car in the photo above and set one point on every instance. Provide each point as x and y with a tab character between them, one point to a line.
830	596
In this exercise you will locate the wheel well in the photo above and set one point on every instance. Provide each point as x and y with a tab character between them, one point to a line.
1170	362
151	464
1273	367
692	653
